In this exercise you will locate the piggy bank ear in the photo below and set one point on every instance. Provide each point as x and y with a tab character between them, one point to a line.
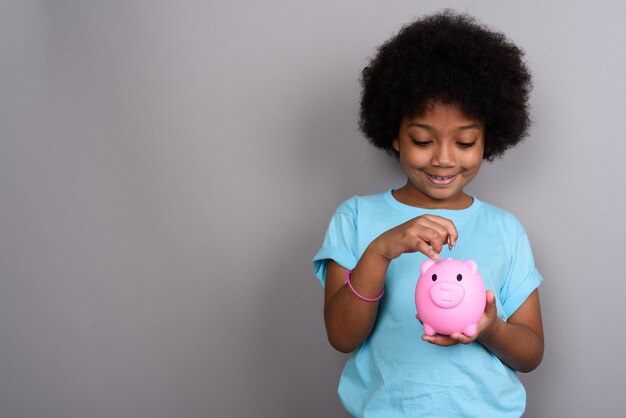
426	265
472	265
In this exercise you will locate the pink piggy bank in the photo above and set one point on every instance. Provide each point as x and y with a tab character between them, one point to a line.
450	296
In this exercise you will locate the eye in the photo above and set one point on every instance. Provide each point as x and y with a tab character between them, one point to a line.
422	144
459	277
466	144
434	277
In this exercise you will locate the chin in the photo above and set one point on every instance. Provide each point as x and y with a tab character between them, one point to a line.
441	197
439	194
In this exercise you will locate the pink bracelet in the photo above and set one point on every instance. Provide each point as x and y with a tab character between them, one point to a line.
347	281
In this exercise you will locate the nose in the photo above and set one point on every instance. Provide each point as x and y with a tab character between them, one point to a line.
443	155
447	294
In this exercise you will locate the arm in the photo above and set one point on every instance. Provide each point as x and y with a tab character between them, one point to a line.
518	342
349	320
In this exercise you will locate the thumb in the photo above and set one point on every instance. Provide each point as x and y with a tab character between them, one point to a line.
491	301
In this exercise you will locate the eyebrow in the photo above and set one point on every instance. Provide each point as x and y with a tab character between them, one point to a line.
430	128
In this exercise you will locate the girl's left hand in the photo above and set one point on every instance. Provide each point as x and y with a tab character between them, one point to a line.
486	325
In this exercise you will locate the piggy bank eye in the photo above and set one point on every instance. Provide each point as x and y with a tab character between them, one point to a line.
459	277
434	277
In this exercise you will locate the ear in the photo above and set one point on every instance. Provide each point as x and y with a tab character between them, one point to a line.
472	265
396	144
426	265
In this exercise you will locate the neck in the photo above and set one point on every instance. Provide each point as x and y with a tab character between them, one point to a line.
411	196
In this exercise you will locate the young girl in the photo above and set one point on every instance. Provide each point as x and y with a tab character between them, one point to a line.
442	95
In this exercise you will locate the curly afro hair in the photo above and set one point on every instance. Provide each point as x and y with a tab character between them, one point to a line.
447	58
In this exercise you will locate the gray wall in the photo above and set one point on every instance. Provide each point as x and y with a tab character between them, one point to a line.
168	169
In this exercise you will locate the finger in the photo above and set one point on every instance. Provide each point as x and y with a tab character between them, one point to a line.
491	302
441	340
433	239
461	338
425	249
443	233
442	236
448	225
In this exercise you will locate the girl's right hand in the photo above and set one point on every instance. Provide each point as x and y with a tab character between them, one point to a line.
426	234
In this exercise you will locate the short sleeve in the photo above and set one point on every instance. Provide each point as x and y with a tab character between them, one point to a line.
340	241
523	277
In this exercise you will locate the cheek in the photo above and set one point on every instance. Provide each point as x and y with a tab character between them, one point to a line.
480	152
472	161
415	158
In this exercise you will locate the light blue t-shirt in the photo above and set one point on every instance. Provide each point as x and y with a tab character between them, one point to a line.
396	374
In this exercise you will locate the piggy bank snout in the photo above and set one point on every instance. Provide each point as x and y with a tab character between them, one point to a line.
447	294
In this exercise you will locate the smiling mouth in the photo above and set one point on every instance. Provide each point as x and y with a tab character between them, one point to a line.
441	177
441	180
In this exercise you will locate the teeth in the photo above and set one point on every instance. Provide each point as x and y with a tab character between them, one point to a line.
442	178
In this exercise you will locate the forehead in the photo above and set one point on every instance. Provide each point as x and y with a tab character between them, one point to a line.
441	117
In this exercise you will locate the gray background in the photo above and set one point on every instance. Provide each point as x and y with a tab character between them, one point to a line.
168	169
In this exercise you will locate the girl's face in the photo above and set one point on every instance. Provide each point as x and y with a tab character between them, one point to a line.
441	152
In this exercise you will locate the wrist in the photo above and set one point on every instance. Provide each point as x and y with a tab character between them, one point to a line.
491	330
376	249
